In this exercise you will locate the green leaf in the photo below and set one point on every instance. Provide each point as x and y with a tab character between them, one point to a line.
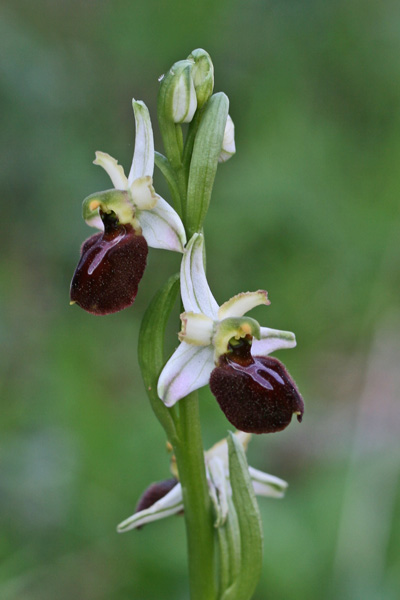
249	520
151	350
203	166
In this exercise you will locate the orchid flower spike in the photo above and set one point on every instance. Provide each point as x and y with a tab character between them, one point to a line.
221	346
164	498
131	217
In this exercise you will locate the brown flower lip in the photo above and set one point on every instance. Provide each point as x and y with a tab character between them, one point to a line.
256	393
110	268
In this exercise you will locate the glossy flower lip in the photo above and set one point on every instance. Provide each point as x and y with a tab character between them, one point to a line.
207	329
111	266
256	393
163	499
141	206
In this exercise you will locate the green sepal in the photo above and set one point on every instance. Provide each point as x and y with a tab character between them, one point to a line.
203	166
249	520
151	351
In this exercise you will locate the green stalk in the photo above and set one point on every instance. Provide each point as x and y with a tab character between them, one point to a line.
198	516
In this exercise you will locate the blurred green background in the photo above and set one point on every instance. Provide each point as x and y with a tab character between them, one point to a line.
307	209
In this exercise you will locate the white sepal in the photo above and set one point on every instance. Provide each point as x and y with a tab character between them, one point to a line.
272	340
143	194
170	504
188	369
197	329
113	169
242	303
267	485
195	291
162	227
220	449
143	155
228	144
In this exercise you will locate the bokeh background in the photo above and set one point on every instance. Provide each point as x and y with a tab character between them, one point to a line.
308	209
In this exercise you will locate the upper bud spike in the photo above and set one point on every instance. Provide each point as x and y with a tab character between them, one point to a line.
203	75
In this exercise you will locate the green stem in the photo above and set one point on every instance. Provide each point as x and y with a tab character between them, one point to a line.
190	138
198	516
164	165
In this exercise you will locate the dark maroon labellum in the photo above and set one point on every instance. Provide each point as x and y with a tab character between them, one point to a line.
111	266
256	393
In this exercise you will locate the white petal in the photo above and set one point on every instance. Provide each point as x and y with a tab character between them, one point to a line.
96	222
242	303
197	329
143	155
113	169
195	291
170	504
162	227
272	340
143	195
267	485
188	369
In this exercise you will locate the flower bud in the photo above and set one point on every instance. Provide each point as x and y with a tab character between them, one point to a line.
202	74
228	143
181	102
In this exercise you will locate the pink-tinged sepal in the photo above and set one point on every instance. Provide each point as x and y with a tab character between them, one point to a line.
256	393
111	266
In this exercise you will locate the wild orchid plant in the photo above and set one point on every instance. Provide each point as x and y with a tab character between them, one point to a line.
218	346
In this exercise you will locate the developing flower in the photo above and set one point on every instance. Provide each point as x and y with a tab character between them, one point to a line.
164	498
132	217
220	345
